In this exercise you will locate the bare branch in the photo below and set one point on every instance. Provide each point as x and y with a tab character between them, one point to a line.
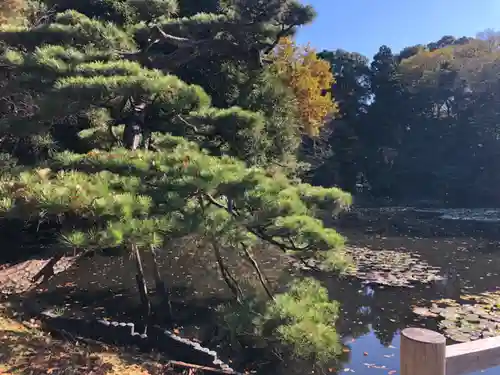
176	40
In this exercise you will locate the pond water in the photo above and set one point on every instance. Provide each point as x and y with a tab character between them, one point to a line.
371	317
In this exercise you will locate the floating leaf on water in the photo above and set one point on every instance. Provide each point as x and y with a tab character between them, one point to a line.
389	268
424	311
495	318
447	324
446	302
459	337
435	309
449	313
472	318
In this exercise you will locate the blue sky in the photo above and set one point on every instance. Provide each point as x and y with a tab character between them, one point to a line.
364	25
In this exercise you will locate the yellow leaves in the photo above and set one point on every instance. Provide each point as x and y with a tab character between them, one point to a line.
426	65
10	10
30	351
310	79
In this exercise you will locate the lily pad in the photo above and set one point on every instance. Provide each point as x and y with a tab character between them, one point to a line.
383	267
459	337
424	312
449	315
471	318
390	268
476	319
447	324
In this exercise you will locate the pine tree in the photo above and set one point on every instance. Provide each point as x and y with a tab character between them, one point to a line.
124	154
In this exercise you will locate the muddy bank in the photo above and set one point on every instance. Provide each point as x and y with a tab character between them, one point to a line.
19	278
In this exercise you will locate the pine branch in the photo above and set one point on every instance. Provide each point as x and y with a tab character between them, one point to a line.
263	280
178	41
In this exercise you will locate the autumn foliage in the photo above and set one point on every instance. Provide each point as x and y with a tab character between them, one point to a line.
310	79
10	9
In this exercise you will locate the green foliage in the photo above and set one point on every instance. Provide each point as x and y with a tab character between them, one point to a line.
121	12
129	150
69	28
302	318
307	319
152	192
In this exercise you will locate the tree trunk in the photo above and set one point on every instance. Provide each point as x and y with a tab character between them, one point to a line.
132	136
48	270
231	282
260	275
160	286
142	286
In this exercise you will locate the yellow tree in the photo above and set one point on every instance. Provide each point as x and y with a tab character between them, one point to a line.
10	10
310	79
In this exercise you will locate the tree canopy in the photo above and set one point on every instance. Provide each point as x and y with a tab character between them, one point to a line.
310	79
419	124
127	124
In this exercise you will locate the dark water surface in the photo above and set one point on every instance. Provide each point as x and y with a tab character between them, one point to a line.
383	313
371	317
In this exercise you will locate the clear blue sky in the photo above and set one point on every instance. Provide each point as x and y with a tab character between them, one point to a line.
364	25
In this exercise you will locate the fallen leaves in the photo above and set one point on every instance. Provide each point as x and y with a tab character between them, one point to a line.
28	350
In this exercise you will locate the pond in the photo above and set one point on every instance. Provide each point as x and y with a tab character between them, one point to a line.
372	315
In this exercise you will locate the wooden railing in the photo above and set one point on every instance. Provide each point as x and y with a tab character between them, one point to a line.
424	352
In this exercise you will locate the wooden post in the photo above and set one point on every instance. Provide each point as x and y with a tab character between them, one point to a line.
423	352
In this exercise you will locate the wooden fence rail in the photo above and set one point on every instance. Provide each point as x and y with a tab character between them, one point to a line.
424	352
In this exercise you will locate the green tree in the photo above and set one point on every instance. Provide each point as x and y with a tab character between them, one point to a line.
125	154
426	128
352	93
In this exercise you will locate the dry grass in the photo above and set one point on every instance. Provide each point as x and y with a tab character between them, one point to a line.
26	350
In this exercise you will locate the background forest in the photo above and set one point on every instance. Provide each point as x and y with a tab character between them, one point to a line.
420	124
129	126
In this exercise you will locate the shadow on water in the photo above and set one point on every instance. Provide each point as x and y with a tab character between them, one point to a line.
371	317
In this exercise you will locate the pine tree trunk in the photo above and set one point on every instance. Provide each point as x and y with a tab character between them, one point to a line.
142	285
231	282
160	286
260	275
132	136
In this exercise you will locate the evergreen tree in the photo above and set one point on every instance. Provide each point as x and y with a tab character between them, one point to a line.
125	154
